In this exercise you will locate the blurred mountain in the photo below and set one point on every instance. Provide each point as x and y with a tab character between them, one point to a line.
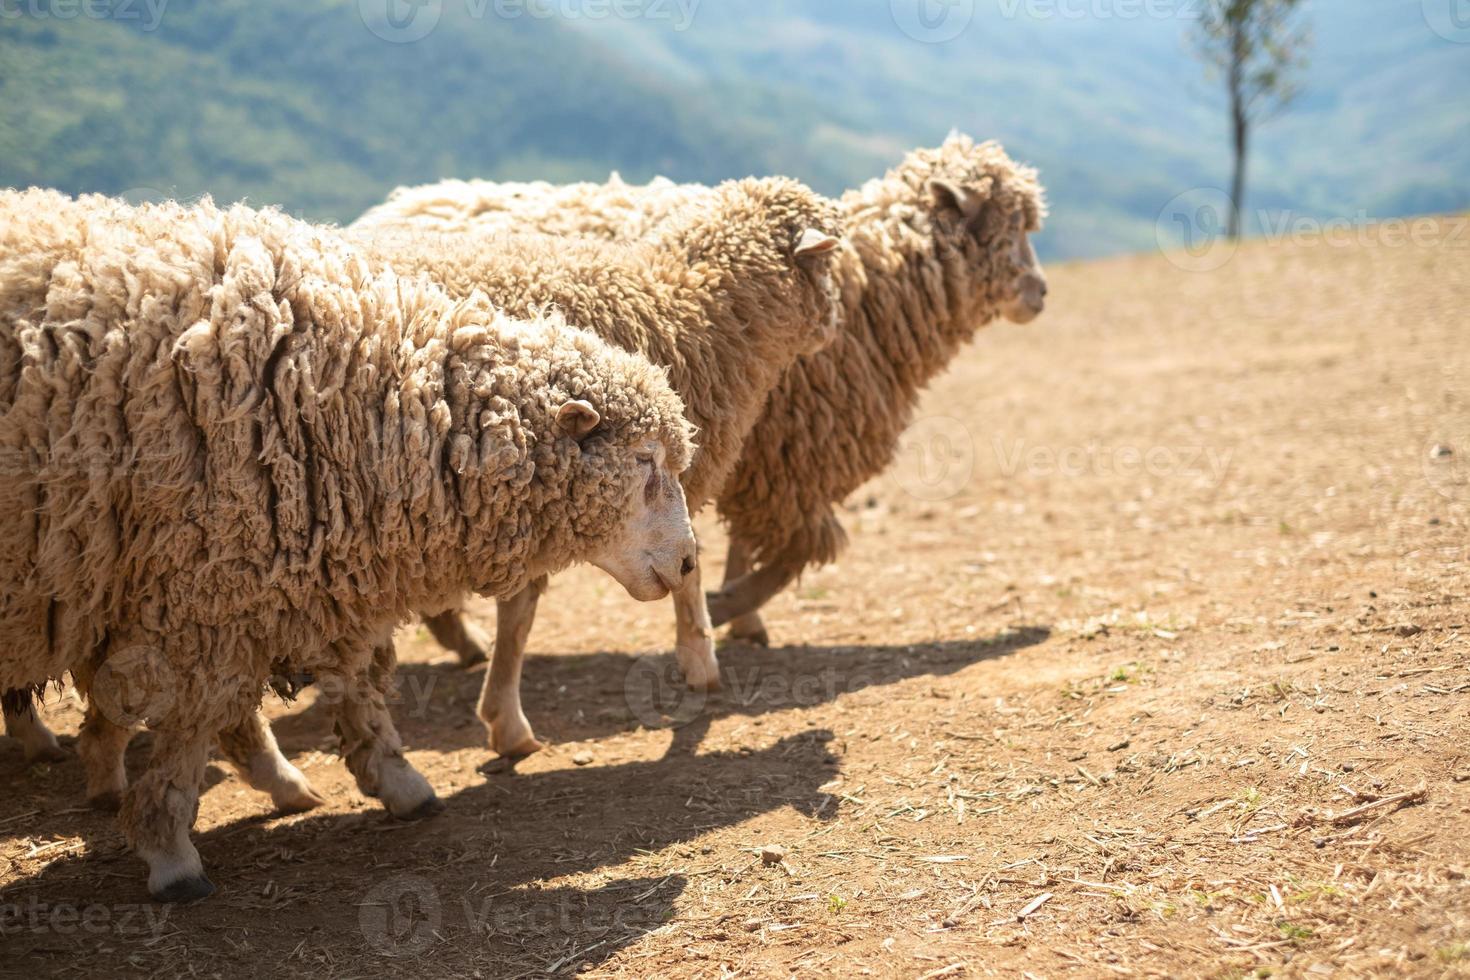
323	107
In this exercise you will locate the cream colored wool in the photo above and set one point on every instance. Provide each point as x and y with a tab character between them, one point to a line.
715	297
726	295
232	449
917	281
614	211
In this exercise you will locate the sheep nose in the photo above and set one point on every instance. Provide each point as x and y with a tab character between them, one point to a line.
686	567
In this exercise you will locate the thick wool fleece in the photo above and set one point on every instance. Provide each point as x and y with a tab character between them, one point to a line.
716	297
916	284
613	211
227	440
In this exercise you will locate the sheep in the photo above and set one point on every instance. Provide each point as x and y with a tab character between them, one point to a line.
615	211
235	451
21	722
937	248
729	293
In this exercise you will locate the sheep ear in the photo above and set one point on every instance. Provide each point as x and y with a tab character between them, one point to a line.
814	242
577	419
948	194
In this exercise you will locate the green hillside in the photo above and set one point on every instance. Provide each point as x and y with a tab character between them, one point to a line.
302	104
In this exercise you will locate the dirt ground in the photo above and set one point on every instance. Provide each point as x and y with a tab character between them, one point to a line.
1148	658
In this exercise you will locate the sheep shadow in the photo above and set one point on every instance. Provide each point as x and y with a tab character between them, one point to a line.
523	874
579	697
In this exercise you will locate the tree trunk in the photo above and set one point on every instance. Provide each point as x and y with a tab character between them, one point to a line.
1240	130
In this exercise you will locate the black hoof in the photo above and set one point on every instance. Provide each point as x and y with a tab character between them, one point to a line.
430	807
472	658
185	890
108	802
50	755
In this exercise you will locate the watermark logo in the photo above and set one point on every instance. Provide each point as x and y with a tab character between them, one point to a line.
148	14
1203	464
1450	19
1447	466
134	684
400	21
935	458
656	694
96	919
932	21
1192	230
400	916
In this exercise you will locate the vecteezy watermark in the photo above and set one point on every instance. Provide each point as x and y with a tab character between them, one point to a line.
657	695
932	21
405	915
1202	463
1447	466
1103	9
400	21
133	685
93	919
149	13
406	21
1450	19
1192	230
400	916
935	458
1363	229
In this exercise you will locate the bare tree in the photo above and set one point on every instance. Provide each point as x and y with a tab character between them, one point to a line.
1256	46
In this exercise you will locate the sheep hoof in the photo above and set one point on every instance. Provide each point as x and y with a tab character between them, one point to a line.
109	801
189	889
756	637
303	799
430	807
473	647
47	754
710	683
526	746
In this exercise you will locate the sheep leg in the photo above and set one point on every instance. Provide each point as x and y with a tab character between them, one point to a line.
457	632
748	626
694	636
752	590
370	743
102	744
161	806
251	748
500	698
38	742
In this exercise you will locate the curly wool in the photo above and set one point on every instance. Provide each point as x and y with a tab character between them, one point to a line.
914	291
614	211
715	296
912	294
226	437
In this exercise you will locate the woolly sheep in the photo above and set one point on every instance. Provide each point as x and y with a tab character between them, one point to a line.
727	295
937	248
235	452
